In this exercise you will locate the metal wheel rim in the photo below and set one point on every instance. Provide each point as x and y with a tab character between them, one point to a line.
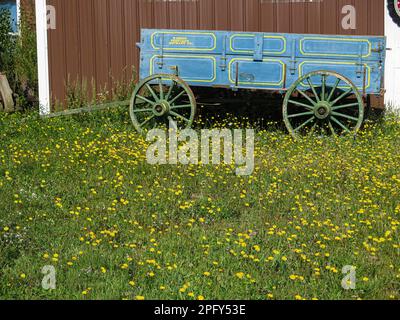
328	93
164	98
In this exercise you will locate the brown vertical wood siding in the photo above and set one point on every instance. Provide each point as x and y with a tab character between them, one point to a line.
96	39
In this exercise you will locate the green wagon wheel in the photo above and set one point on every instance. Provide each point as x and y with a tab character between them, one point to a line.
160	100
324	102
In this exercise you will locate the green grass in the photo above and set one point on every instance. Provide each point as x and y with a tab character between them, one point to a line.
77	193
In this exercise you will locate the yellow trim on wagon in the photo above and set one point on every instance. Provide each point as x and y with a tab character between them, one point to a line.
335	54
336	63
258	83
185	33
188	56
253	36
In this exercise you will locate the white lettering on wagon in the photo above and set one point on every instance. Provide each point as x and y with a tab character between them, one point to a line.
182	41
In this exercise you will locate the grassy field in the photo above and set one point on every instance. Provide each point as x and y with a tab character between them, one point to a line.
77	194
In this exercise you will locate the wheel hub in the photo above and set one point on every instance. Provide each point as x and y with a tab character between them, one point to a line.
161	108
322	110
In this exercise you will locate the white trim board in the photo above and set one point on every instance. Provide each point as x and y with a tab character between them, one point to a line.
392	70
18	11
43	57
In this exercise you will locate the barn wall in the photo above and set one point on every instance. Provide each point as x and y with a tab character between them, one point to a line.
96	38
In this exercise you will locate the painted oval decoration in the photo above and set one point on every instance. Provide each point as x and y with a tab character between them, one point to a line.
394	9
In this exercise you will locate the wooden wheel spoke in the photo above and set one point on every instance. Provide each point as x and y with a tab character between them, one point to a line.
340	124
337	114
147	121
300	114
345	106
306	96
146	100
184	106
332	128
304	124
344	94
161	89
313	128
313	89
177	97
302	104
177	115
323	87
152	92
170	90
142	110
333	89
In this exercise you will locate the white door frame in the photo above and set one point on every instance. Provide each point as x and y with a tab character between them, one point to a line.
18	10
43	57
392	70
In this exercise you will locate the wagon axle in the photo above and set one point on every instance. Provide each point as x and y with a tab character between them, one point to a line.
322	110
161	108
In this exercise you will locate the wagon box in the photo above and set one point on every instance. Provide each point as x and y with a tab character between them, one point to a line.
326	80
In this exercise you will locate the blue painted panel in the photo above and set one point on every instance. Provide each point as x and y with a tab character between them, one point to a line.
249	73
10	5
273	44
182	41
196	69
338	47
358	75
265	60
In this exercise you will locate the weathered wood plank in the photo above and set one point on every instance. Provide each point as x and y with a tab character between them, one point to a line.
6	97
88	109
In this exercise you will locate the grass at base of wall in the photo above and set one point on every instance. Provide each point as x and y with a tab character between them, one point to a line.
77	194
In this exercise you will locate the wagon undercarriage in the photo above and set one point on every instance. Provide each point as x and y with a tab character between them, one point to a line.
325	109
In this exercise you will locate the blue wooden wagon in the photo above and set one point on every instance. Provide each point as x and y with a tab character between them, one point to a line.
325	80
